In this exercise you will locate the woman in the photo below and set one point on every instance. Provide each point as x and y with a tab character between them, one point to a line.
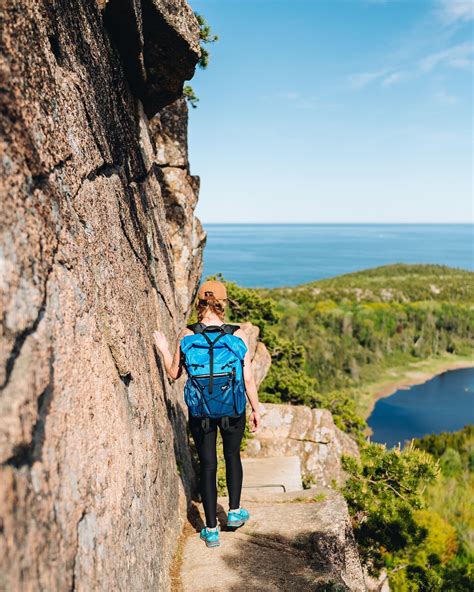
211	303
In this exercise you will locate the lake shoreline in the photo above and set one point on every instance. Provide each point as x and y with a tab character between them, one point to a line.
414	377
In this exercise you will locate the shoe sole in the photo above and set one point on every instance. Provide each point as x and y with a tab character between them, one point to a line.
210	544
236	523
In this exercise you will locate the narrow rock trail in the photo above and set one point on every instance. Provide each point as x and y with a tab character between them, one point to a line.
294	540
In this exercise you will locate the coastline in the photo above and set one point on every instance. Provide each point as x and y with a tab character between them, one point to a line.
417	373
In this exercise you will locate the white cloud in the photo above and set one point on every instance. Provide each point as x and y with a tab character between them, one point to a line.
445	98
289	95
454	11
458	56
296	100
411	64
395	78
385	77
362	79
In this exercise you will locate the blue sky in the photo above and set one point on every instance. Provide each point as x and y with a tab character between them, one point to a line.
335	111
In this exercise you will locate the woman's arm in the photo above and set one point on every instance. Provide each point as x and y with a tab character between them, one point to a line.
250	386
172	363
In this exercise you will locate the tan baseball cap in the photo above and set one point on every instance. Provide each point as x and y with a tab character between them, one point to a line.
212	288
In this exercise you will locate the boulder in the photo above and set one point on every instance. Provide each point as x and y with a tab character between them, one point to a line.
259	354
289	430
261	363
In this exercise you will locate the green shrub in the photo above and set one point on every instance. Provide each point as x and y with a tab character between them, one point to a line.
383	491
205	36
450	462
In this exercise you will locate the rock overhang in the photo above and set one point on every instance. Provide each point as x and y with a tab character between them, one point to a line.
158	44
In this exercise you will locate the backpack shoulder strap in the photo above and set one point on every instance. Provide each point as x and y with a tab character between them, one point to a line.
230	329
227	328
196	327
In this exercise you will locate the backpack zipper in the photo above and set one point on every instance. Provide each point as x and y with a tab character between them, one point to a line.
214	374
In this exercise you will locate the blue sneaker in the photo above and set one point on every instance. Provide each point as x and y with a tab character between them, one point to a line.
237	518
210	536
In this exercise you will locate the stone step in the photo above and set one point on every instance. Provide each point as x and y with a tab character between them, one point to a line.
286	545
304	495
272	474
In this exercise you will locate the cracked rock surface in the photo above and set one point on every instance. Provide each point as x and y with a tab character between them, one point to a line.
95	468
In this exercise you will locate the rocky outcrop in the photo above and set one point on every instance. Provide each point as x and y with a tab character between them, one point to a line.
289	430
158	42
95	469
377	584
296	430
260	356
169	130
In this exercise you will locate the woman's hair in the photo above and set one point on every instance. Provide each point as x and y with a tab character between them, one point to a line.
211	304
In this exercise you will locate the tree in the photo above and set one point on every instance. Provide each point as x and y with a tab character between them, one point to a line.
205	36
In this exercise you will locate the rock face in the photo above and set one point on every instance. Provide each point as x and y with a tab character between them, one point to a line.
158	42
260	356
95	470
180	192
289	430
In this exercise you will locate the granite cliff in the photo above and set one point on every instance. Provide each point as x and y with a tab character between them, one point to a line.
99	246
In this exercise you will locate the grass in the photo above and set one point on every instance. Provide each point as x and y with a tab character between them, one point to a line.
320	497
393	377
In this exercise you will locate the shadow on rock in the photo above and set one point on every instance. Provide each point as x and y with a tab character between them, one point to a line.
185	454
310	561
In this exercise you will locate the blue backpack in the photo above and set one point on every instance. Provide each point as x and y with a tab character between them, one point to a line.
214	359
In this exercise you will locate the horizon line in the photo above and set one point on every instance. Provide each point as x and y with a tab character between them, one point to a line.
469	223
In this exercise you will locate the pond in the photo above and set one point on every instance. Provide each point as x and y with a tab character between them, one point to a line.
443	404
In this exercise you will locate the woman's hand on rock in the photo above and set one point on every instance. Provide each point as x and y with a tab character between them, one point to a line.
160	341
254	421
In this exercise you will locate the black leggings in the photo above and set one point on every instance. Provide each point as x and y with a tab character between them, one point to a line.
206	448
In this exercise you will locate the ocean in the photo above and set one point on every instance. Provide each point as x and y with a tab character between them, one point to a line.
272	255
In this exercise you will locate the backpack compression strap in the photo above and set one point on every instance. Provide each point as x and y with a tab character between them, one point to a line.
211	353
225	329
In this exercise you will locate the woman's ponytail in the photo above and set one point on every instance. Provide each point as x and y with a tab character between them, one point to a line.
210	305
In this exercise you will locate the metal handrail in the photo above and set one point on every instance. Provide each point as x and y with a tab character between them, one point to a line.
258	486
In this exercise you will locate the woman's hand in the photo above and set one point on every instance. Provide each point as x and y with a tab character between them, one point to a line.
254	421
161	342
